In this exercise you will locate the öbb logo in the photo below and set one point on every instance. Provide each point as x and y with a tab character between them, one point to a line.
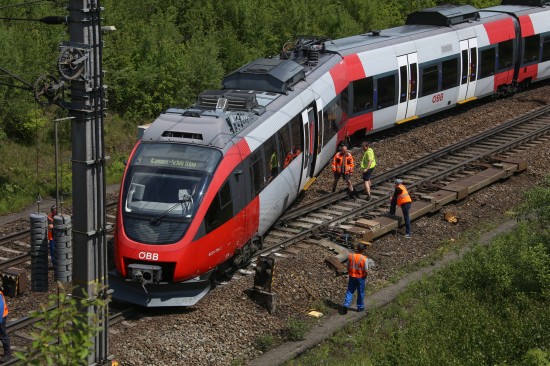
148	256
437	98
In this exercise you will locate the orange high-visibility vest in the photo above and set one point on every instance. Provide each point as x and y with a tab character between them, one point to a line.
5	305
404	197
349	164
50	221
290	156
357	265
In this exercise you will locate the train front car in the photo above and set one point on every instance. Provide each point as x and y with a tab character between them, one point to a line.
175	178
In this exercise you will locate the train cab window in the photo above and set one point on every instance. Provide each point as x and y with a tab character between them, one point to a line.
487	60
285	145
505	54
386	92
531	49
220	210
546	49
272	159
449	74
363	92
257	172
430	80
332	115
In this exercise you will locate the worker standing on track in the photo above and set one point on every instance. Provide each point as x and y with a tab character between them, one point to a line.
342	166
402	199
51	215
357	271
368	163
4	338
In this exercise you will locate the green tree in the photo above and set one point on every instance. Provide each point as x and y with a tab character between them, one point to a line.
66	333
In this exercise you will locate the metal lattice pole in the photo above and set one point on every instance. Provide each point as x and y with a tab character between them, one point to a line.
88	167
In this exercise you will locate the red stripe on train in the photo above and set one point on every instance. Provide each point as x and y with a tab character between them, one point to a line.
500	30
527	28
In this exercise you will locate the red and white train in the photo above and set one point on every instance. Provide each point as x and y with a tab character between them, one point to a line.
203	184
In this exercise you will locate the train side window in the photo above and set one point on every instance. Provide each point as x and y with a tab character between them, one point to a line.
505	54
531	49
465	67
272	159
220	210
430	80
296	132
404	84
487	59
345	103
546	49
257	172
387	92
449	74
362	95
284	143
332	116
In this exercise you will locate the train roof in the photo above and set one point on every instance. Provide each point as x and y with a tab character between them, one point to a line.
265	85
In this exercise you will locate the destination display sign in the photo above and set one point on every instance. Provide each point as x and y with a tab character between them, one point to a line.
172	162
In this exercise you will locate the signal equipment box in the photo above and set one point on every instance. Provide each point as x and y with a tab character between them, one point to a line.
14	282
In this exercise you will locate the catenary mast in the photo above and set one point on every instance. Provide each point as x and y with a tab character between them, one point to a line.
88	165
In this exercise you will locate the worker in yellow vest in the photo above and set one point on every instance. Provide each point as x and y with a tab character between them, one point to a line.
4	338
402	199
368	163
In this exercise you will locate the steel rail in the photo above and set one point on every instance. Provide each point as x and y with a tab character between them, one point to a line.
369	205
396	172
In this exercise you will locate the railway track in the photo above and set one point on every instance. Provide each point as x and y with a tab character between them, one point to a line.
424	175
14	247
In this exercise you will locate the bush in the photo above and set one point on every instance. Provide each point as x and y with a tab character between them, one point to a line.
66	331
295	329
264	342
21	122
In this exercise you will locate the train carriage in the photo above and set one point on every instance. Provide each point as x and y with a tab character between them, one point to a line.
204	183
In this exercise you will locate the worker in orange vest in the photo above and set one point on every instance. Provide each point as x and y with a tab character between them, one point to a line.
51	215
357	271
4	338
342	166
402	199
291	156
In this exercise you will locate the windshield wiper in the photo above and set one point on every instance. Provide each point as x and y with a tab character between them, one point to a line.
186	200
156	220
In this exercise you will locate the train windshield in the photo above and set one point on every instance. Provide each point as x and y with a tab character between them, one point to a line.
164	185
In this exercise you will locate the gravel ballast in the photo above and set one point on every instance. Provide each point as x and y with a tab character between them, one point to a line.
226	328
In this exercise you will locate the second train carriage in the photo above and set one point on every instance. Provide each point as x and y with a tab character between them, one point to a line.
204	183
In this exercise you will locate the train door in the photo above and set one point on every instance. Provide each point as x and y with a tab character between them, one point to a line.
408	87
468	61
308	120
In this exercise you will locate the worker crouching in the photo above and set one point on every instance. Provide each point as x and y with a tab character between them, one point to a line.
357	271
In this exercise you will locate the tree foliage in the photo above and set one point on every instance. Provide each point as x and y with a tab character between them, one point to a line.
66	332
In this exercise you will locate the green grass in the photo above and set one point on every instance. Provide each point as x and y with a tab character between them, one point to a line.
488	308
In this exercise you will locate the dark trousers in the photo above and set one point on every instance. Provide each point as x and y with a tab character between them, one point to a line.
4	337
405	208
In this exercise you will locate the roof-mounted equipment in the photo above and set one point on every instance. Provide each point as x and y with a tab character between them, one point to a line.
444	15
266	74
540	3
229	100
